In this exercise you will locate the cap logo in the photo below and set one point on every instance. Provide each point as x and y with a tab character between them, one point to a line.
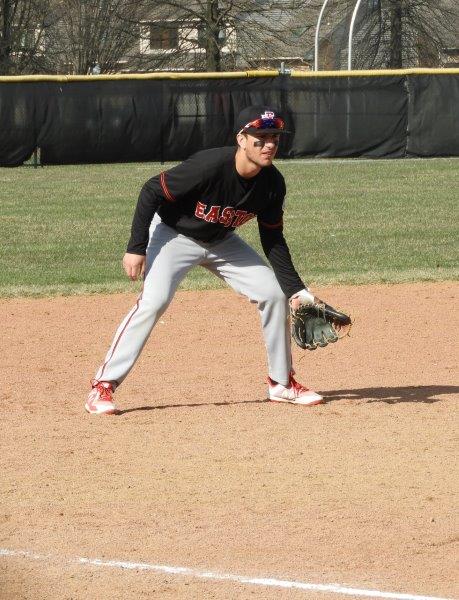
266	120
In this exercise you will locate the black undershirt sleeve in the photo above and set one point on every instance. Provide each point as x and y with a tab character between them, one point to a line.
147	205
277	252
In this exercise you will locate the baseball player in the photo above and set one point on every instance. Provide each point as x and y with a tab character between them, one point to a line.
187	216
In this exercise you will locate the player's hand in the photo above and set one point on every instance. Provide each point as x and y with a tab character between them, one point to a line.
295	303
302	297
134	265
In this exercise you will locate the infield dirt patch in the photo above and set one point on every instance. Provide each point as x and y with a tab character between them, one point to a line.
200	471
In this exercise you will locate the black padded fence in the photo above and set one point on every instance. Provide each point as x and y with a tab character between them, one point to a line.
97	119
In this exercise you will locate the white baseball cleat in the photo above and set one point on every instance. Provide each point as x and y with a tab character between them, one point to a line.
100	401
295	393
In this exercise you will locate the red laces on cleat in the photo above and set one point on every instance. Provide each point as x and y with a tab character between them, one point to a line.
105	390
297	386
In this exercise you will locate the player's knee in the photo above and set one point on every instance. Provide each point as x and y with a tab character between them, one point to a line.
156	303
273	293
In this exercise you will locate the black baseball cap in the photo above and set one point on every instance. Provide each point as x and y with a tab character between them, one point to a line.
259	119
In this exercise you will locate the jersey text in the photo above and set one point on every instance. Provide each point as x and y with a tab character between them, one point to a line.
229	217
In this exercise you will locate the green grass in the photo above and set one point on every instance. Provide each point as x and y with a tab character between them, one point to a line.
64	229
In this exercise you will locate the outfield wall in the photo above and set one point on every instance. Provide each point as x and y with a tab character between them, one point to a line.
167	116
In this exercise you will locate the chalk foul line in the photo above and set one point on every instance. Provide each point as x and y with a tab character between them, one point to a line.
216	576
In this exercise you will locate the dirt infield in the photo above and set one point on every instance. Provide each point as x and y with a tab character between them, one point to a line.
200	471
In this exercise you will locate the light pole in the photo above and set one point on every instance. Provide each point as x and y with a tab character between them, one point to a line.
316	68
349	68
316	40
351	33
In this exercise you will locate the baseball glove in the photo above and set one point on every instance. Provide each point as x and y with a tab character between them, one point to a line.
318	324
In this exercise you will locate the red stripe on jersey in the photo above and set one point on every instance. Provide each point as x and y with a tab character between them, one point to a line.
162	181
272	225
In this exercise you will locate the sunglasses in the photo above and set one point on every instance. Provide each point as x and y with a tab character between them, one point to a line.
274	123
260	143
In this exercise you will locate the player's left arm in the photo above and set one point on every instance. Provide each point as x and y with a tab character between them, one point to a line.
275	247
278	254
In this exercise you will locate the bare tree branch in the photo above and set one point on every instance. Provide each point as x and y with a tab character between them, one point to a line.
77	36
23	26
391	33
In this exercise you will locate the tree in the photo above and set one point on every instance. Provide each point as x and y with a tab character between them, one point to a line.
92	36
417	29
217	35
390	34
23	26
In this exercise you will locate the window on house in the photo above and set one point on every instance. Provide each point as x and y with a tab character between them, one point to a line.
163	36
222	37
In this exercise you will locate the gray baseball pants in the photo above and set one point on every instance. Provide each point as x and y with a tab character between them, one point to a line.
170	255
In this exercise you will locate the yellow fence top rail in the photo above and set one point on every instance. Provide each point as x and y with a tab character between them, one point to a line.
375	73
223	75
137	76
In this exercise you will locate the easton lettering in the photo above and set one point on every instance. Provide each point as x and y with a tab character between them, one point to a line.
229	216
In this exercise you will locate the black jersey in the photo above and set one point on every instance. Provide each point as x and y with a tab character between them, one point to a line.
205	198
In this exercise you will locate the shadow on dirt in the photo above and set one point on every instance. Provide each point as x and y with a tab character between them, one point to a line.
394	395
191	405
391	395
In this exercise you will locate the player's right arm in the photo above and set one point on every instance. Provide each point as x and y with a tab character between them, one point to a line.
147	205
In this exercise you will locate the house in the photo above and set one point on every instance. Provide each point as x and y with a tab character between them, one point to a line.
235	35
240	38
